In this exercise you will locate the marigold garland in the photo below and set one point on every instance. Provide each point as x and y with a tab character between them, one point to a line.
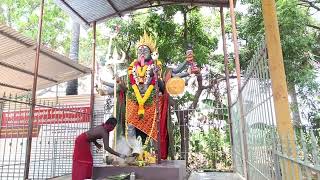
142	71
141	100
135	70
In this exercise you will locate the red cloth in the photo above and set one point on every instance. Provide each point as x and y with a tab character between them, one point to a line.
132	81
82	158
163	127
164	141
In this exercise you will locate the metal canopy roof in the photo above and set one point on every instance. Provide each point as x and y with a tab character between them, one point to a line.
17	56
87	11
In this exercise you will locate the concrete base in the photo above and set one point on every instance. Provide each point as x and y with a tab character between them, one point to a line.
214	176
167	170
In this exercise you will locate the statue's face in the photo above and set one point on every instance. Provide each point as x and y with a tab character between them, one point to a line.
144	51
144	54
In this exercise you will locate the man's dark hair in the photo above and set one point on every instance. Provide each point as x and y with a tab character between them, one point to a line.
112	120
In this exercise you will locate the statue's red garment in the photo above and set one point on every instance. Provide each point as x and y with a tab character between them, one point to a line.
164	137
145	124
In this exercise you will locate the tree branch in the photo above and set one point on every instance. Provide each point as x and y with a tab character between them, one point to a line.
198	93
201	88
218	81
128	49
311	4
313	26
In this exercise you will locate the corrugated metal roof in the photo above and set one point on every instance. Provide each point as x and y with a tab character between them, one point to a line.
17	56
87	11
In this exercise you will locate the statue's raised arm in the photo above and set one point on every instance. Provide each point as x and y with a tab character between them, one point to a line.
107	88
187	67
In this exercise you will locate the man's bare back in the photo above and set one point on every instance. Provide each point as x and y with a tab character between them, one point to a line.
100	132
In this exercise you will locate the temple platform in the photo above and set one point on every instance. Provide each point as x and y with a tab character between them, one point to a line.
167	170
214	176
193	176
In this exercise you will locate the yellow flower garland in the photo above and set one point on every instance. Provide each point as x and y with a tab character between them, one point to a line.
141	100
142	72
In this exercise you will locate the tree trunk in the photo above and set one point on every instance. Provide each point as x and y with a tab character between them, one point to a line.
183	119
72	86
185	29
184	114
294	106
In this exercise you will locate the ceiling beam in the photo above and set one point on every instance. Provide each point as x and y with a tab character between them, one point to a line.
75	12
201	3
43	52
25	71
63	62
13	87
121	11
114	8
167	2
17	52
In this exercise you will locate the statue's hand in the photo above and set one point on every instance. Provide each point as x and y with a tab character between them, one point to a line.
98	89
189	71
99	146
123	156
134	155
156	69
195	70
118	80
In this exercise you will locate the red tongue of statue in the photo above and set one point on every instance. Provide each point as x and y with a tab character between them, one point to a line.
142	58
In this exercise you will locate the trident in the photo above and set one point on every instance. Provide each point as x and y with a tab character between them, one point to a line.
114	61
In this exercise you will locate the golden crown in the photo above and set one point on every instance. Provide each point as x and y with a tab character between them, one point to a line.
147	41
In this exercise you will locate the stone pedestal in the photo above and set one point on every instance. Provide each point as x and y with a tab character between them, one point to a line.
167	170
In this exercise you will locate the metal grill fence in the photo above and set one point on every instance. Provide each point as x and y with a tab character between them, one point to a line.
266	154
55	128
206	138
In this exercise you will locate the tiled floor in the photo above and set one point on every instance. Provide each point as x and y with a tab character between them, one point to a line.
66	177
193	176
213	176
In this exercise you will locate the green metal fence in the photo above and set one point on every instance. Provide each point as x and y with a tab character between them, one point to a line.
257	133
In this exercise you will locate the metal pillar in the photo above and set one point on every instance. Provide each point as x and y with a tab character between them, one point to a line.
1	112
226	62
279	85
242	119
93	71
34	91
57	94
